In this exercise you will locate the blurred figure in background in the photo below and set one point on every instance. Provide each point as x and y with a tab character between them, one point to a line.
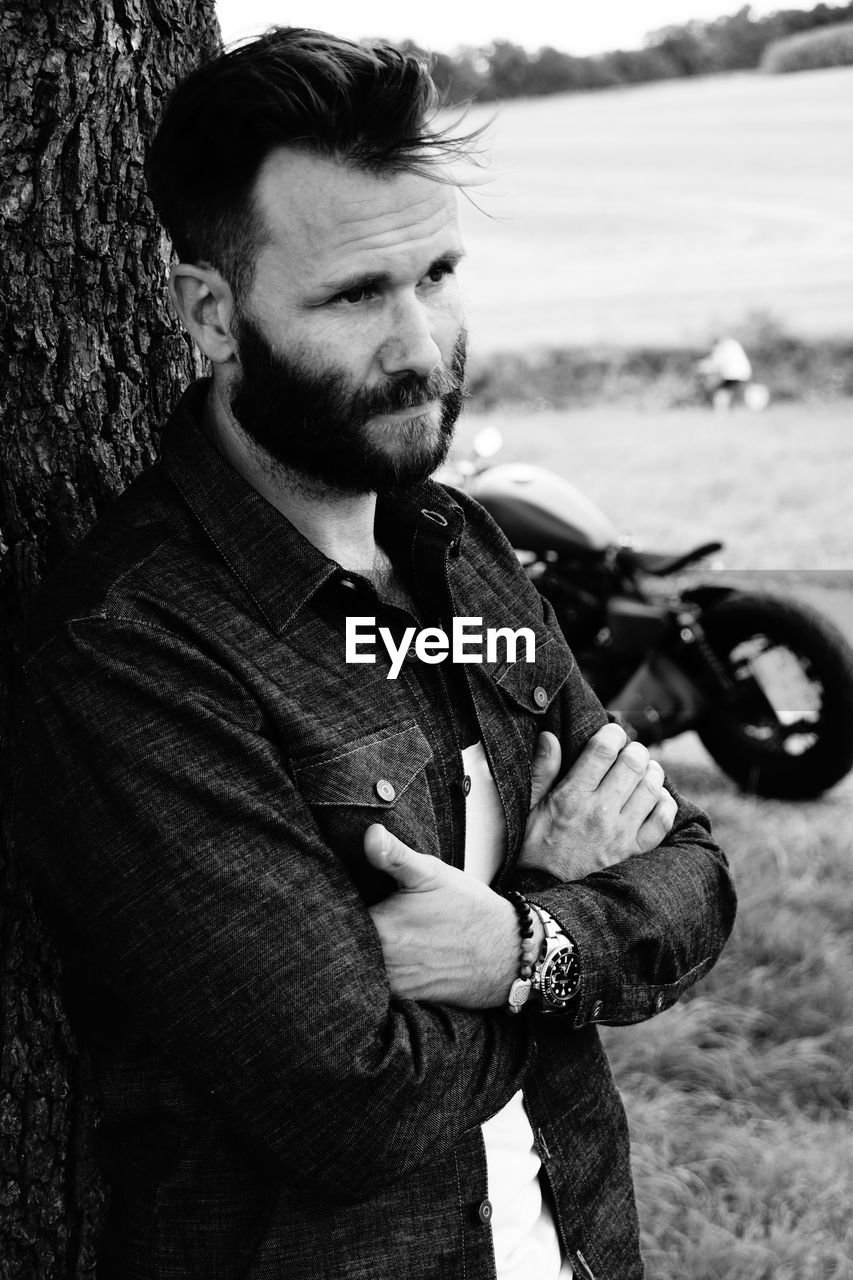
725	373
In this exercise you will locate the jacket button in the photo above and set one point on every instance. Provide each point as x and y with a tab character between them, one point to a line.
597	1009
540	696
348	582
659	1002
485	1211
466	785
384	790
411	653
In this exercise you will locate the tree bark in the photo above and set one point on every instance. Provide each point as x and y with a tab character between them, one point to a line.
90	362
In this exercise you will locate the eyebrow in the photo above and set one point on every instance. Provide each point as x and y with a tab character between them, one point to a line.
367	279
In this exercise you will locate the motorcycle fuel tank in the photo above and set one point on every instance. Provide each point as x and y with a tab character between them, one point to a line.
539	511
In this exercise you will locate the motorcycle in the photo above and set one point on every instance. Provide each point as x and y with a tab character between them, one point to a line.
765	681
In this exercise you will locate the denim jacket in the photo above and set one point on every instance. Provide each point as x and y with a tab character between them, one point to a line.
197	765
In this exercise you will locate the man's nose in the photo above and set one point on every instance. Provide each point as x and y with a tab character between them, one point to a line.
410	346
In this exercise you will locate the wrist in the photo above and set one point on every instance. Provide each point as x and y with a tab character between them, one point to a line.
507	959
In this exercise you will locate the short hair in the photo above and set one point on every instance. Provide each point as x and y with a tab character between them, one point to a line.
370	105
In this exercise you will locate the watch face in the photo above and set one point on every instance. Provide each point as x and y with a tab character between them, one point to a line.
561	978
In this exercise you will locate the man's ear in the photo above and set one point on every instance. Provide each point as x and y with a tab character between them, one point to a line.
203	300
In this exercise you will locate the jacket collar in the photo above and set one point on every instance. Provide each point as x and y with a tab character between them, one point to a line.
275	563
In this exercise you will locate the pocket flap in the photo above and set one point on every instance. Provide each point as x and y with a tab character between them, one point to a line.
373	772
534	686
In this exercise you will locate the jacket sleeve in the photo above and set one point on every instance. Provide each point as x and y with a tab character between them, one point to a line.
650	926
178	855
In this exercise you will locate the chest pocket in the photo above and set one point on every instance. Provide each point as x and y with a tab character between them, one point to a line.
383	777
533	686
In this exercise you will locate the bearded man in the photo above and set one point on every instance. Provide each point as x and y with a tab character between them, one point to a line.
298	901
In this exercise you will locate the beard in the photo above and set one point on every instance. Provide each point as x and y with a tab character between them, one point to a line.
315	422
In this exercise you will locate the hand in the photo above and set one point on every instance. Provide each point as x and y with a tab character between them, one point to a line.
445	935
611	804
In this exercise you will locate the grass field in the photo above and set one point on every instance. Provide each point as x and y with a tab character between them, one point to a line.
740	1098
775	487
659	213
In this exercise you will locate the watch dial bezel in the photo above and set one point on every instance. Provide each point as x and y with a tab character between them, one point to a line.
569	962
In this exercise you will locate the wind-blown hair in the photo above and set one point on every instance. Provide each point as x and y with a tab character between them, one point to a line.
368	105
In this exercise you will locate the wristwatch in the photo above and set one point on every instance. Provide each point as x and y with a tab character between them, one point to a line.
557	972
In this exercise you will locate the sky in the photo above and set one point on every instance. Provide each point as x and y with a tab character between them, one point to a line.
576	26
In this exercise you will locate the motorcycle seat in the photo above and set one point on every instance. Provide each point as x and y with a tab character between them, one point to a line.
661	564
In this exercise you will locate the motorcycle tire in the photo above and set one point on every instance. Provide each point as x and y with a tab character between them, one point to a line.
795	740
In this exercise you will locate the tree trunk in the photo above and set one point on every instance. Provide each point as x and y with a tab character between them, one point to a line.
91	362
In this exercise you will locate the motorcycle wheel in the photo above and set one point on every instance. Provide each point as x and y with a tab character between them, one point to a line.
790	733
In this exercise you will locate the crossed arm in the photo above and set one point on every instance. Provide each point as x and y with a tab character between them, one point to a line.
448	937
188	872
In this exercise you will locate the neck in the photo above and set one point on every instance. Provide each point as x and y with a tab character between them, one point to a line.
339	524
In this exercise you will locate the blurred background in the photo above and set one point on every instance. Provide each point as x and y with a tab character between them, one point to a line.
658	176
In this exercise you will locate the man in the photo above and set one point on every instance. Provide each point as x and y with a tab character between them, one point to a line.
279	877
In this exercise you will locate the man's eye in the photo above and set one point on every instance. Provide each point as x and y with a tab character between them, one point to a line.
439	272
361	293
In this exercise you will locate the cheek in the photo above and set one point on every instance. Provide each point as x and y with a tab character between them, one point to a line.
448	321
338	346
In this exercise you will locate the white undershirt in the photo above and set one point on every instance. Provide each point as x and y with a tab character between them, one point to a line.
525	1239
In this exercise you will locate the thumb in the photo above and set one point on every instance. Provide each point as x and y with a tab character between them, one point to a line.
411	870
545	766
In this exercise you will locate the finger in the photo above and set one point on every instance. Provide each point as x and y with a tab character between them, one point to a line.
545	766
624	775
645	796
411	870
658	824
596	758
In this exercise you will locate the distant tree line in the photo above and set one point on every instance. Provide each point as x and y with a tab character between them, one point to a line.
810	50
735	42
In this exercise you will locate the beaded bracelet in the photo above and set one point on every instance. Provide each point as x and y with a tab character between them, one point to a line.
520	989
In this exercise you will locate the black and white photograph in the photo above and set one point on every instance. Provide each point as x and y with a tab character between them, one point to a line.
426	566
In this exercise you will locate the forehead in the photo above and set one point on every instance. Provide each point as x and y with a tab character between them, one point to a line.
325	218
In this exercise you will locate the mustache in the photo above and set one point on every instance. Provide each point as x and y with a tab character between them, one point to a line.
410	391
